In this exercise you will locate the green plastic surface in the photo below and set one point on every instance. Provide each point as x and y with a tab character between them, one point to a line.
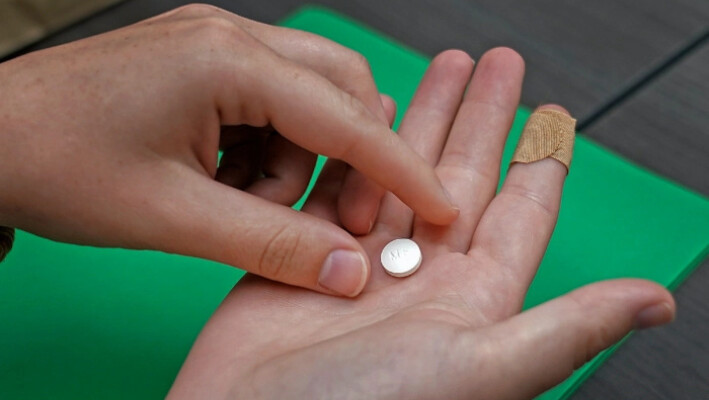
78	322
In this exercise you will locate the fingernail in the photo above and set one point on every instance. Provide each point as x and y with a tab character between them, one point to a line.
448	195
344	272
658	314
450	199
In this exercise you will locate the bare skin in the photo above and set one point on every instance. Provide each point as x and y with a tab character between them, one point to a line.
453	330
113	141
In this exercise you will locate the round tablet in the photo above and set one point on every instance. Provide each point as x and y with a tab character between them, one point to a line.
401	257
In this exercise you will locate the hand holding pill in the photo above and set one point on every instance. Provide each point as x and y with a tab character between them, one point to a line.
122	133
453	329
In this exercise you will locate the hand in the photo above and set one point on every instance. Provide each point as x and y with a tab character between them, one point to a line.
113	141
453	330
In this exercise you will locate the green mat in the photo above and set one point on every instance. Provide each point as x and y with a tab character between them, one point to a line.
81	322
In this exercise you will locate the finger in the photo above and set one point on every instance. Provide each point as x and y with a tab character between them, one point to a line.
322	201
367	147
359	199
426	124
352	74
203	218
287	169
541	347
469	166
389	106
328	189
311	112
516	227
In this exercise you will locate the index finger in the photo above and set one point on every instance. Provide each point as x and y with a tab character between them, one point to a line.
360	197
347	69
312	112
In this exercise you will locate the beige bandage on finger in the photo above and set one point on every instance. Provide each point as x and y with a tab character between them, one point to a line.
548	133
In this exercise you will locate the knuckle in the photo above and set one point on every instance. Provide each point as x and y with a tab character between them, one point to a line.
593	334
538	200
218	40
278	253
352	66
593	342
217	30
359	67
196	10
207	24
360	62
458	163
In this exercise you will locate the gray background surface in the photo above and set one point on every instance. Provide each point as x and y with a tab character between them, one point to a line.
636	76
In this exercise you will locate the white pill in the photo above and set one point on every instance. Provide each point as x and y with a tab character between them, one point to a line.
401	257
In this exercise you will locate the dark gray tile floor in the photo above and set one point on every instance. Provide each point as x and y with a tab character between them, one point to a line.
582	55
578	53
25	21
671	114
665	127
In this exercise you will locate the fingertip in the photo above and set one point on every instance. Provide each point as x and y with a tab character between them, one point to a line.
658	304
453	215
357	216
358	203
455	61
546	136
505	56
446	211
446	216
649	303
655	315
389	107
553	107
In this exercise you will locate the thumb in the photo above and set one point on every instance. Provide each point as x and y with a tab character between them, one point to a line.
541	347
210	220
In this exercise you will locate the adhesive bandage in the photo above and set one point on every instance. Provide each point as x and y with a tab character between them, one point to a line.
548	133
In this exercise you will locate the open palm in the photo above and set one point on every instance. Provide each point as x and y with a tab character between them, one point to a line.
454	328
